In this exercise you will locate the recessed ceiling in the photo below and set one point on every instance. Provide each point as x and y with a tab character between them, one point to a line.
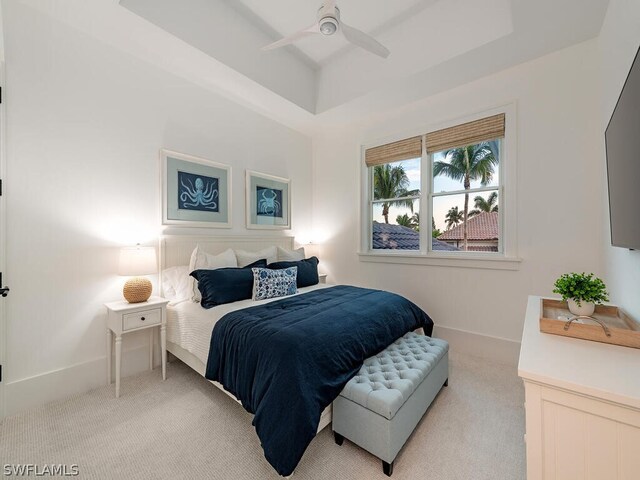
370	16
435	45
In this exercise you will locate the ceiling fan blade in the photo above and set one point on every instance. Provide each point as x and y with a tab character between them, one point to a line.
313	29
363	40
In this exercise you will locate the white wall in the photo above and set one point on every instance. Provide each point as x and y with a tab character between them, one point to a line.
85	123
221	32
558	203
618	44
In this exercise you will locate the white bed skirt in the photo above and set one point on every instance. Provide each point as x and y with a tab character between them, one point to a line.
196	364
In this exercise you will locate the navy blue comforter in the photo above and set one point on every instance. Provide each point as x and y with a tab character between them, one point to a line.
289	359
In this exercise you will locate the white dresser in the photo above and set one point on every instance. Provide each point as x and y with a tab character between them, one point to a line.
582	406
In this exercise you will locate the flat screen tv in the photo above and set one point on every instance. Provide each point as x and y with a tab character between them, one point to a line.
622	139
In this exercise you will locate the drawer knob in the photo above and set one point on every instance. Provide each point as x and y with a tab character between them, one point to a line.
142	318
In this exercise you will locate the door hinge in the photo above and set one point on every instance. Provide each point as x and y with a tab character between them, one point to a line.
4	291
0	373
0	187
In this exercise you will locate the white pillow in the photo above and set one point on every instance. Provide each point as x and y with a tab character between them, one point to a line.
285	255
204	261
247	258
176	283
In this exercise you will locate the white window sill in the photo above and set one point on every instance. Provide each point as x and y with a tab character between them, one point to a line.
493	262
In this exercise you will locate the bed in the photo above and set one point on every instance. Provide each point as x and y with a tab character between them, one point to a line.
189	325
243	326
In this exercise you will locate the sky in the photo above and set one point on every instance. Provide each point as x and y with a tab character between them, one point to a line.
441	205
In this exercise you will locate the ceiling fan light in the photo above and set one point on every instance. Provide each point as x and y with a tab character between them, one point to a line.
328	26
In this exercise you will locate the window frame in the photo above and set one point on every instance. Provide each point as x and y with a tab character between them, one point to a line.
499	188
505	259
372	202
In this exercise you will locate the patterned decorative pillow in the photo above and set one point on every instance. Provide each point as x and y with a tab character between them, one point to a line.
269	283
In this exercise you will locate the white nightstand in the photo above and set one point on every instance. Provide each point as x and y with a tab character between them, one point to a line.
124	317
322	277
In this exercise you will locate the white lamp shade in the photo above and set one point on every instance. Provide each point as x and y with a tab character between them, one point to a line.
136	261
312	250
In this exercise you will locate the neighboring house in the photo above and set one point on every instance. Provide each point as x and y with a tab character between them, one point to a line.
397	237
482	233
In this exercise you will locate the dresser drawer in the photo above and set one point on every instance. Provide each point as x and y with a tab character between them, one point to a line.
141	319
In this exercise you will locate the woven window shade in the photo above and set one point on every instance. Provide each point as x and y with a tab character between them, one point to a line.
466	134
394	152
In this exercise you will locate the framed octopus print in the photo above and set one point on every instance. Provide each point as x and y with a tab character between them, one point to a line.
268	201
195	192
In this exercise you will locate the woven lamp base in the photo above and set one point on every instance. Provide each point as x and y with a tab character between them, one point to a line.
137	289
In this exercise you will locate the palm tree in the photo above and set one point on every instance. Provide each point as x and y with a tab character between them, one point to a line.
392	182
482	205
473	162
412	222
405	220
453	217
435	232
416	221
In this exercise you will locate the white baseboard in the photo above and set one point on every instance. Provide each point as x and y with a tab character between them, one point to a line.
34	391
500	350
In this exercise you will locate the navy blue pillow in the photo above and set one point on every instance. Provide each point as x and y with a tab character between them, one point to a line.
226	285
307	270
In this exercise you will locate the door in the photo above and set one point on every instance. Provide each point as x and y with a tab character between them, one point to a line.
4	291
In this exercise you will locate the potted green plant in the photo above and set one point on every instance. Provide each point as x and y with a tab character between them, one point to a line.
581	291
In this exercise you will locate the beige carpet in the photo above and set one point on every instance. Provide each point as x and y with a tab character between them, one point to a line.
186	428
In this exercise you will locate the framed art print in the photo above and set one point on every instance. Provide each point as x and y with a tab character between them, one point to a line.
268	201
195	192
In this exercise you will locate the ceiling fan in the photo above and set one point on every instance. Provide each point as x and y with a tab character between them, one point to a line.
329	23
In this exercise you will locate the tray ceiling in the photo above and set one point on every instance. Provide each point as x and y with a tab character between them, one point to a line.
435	45
371	16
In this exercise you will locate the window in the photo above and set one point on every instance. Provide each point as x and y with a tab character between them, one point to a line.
394	180
465	197
455	177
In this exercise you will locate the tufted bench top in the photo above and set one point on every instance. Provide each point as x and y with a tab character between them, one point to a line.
385	382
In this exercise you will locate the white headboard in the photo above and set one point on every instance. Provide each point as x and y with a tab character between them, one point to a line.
175	250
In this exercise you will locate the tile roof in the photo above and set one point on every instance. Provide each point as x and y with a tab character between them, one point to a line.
438	246
397	237
480	227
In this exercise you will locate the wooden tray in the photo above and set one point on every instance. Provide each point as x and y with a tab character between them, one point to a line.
616	327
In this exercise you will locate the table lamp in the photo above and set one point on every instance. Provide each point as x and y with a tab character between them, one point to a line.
312	250
134	262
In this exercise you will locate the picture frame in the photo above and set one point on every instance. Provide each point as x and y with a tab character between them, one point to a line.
268	201
196	192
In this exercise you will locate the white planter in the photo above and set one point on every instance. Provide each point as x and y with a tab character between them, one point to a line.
585	310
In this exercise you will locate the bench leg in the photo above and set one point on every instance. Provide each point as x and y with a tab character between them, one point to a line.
387	468
339	439
446	383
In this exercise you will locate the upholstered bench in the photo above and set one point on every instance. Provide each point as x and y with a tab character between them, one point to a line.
379	408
